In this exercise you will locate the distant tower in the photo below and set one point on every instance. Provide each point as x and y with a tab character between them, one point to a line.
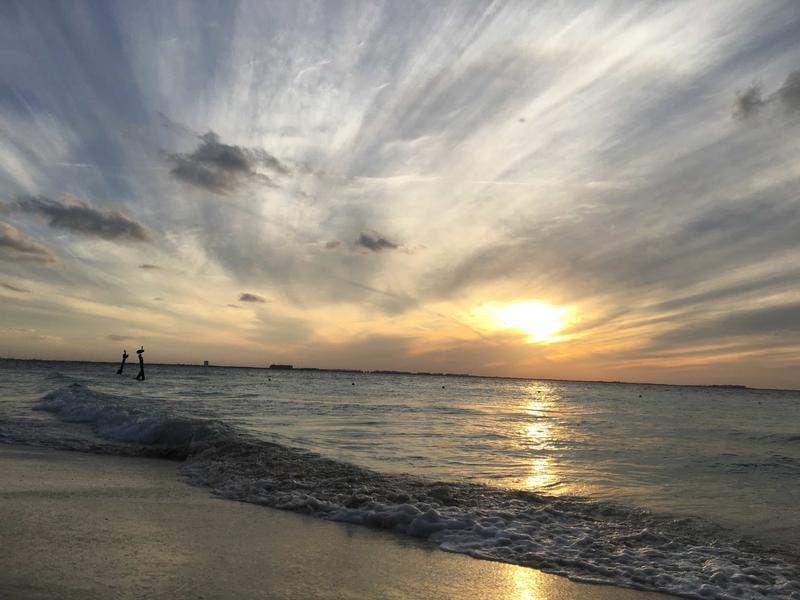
205	365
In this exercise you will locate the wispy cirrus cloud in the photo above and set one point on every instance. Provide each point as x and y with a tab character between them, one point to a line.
772	322
584	157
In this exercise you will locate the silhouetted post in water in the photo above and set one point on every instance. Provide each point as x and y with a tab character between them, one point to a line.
124	358
140	376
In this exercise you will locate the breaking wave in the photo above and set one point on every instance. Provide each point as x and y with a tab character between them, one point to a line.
154	430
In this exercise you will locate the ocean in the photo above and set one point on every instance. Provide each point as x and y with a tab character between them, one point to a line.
692	491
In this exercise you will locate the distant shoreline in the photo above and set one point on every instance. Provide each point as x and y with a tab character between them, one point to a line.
717	386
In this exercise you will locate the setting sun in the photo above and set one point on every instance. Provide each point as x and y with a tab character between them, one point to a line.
539	320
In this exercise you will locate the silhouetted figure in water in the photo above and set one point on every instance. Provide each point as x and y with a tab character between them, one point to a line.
140	376
124	358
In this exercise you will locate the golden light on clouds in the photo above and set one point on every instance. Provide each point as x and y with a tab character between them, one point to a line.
540	321
328	217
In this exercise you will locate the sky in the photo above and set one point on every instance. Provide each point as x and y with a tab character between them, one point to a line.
604	191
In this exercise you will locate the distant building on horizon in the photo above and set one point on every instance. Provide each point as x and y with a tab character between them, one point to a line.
281	367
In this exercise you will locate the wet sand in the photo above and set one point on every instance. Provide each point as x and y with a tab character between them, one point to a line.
83	526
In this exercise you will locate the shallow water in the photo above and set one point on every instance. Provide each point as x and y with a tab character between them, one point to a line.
614	469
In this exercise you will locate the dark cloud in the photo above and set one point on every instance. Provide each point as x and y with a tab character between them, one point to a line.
79	217
233	306
751	101
14	288
220	168
375	242
15	245
248	297
789	93
148	266
119	338
748	103
332	244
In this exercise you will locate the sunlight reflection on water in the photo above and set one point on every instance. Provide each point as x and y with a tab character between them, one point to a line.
538	435
714	453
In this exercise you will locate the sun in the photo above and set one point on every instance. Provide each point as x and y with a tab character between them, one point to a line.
540	321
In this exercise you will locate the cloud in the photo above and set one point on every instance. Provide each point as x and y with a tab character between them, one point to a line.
748	103
507	146
248	297
789	93
31	334
751	101
499	354
119	338
220	168
332	244
14	288
78	217
15	245
772	321
148	266
368	352
279	329
375	242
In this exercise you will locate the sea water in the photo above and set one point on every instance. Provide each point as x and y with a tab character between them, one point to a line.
693	491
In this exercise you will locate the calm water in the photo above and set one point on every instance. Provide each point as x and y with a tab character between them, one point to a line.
730	457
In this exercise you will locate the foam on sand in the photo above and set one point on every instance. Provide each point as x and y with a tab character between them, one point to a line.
149	535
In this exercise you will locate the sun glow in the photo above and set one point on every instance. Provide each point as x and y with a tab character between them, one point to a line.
540	321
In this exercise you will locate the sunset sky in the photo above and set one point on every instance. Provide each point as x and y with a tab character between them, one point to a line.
577	190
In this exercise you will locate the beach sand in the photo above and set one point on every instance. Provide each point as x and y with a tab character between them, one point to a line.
84	526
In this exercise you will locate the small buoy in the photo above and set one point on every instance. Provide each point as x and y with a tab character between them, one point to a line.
269	378
353	383
442	387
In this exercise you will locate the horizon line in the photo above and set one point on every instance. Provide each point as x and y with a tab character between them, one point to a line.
729	386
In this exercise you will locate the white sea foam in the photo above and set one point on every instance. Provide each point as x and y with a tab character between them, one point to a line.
584	540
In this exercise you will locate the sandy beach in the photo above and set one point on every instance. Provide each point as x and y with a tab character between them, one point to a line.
85	526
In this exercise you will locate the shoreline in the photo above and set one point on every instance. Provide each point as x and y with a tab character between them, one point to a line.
89	526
